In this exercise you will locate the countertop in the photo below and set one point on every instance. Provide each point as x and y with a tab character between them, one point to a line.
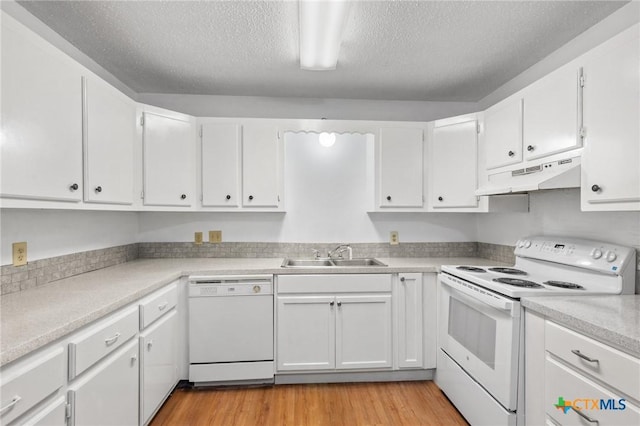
33	318
610	319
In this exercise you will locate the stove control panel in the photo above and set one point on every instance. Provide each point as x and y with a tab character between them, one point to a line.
595	255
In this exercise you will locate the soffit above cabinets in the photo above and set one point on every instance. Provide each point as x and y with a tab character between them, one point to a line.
391	50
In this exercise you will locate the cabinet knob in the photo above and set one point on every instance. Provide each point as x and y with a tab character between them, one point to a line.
250	197
595	188
530	148
183	197
228	197
402	279
74	187
440	198
98	189
511	153
339	303
150	344
331	303
388	197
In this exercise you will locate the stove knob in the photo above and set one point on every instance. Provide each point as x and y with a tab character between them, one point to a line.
527	244
520	243
611	256
596	253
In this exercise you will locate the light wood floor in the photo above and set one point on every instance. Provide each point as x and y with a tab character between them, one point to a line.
396	403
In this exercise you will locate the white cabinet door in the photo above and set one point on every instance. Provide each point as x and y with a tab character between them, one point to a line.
168	160
611	156
551	114
41	149
220	165
363	332
400	167
409	320
108	144
503	134
158	365
454	163
261	166
108	394
306	332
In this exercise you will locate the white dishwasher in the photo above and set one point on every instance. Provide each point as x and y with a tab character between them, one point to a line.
231	329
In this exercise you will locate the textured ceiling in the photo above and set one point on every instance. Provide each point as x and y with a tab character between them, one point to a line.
396	50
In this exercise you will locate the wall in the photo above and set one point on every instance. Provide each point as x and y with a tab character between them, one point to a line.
50	233
557	212
325	200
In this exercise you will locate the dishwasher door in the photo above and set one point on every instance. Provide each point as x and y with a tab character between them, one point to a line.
236	328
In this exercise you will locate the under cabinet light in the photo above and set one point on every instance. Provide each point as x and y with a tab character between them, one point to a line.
321	24
327	139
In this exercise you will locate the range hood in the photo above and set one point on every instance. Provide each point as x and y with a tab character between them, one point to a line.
562	173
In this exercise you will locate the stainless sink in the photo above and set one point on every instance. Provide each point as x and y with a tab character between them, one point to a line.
329	263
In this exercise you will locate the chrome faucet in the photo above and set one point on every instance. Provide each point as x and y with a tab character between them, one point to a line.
341	249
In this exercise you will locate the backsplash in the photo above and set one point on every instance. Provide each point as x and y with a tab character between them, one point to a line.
43	271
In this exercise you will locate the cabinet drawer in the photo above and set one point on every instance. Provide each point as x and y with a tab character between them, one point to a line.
53	414
99	340
158	304
27	383
564	386
617	369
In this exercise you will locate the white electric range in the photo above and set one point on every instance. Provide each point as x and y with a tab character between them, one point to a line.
481	334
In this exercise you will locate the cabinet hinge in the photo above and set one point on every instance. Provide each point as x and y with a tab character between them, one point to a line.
67	411
142	195
142	120
583	132
582	81
477	128
278	197
201	131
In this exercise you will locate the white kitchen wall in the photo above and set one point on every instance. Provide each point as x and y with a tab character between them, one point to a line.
327	195
50	233
557	212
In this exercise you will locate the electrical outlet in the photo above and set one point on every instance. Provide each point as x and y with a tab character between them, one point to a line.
19	254
215	236
197	238
393	238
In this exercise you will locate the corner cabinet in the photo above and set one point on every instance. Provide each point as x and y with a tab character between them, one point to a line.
399	165
41	150
169	158
333	322
242	166
611	157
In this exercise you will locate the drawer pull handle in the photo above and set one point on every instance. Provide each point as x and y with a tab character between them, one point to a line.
584	416
10	405
111	340
583	356
163	306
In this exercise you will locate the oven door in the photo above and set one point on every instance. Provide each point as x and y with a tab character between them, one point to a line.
480	330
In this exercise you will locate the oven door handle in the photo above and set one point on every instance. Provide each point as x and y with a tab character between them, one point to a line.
476	295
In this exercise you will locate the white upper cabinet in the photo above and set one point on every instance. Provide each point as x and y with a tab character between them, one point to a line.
41	155
400	167
221	164
261	166
169	148
551	115
453	165
611	156
503	134
108	144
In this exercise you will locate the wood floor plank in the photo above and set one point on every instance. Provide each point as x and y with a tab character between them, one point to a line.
343	404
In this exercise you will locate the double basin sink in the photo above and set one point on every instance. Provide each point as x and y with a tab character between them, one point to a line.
331	263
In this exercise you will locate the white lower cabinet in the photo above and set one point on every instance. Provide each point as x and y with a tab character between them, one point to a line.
158	365
342	329
408	319
108	393
53	414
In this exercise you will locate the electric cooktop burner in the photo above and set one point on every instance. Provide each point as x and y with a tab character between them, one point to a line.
517	282
470	269
510	271
564	284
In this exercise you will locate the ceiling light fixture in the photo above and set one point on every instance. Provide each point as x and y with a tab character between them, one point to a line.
327	139
321	24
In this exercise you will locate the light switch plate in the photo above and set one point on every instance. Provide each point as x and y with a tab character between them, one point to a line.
393	238
19	254
197	238
215	236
